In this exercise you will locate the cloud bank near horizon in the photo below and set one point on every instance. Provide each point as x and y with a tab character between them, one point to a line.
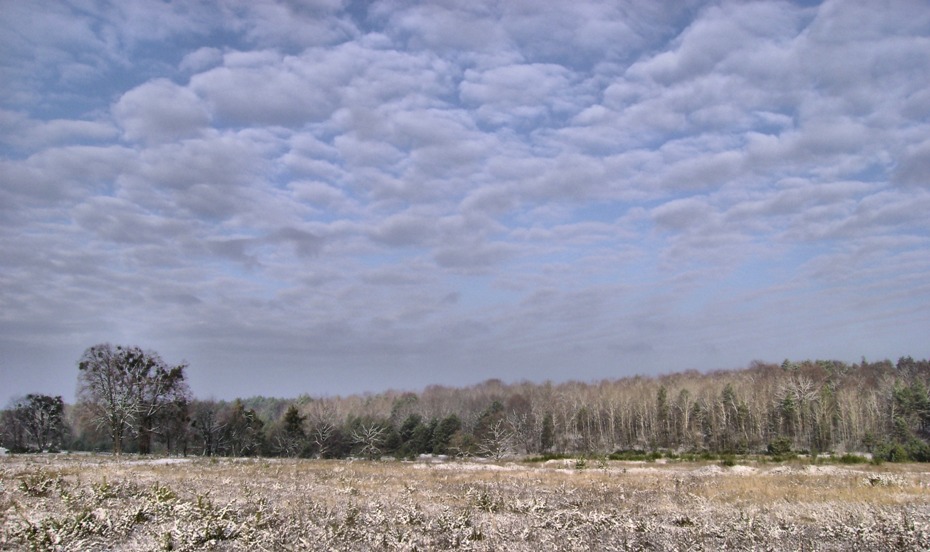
333	197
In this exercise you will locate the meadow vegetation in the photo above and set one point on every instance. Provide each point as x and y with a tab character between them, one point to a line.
86	502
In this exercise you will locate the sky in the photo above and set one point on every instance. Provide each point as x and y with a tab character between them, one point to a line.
329	197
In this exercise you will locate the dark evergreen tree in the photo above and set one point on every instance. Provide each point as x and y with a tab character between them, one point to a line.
443	433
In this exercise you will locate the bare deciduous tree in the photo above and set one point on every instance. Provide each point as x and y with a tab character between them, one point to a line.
497	440
125	388
34	423
207	426
322	419
370	437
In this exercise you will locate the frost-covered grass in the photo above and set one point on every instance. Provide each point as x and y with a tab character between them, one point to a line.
102	503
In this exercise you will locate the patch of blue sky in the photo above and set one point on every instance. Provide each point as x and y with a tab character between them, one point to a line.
479	292
327	216
760	274
772	123
358	11
72	94
790	265
595	264
603	211
249	272
704	295
390	257
876	171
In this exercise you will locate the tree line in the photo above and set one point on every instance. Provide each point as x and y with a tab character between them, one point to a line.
130	400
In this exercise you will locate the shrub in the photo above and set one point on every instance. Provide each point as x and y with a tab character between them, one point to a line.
891	452
918	450
546	457
780	447
631	455
41	483
852	459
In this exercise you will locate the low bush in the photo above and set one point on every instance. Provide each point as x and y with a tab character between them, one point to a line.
635	455
891	452
852	459
780	447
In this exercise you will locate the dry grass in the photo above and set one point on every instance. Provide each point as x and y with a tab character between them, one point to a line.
99	503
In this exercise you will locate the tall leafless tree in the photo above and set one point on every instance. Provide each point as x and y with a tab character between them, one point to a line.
126	388
34	423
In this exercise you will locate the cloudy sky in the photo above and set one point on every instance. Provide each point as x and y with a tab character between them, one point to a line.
333	196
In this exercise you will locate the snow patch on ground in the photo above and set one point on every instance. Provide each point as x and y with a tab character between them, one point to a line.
161	461
467	466
811	470
638	469
560	463
828	470
707	470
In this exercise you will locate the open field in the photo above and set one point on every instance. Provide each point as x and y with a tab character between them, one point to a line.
75	502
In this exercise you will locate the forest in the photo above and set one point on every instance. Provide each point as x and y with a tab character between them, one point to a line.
131	401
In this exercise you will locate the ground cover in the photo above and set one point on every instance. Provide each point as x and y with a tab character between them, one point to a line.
84	502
